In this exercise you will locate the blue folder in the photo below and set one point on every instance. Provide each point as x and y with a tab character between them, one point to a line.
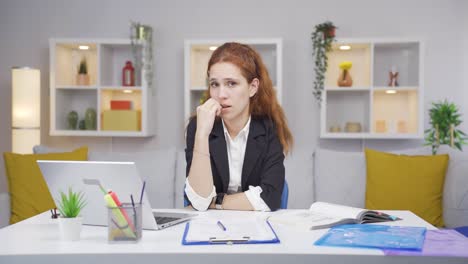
229	241
374	236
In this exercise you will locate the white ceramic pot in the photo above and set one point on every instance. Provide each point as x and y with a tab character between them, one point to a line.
70	228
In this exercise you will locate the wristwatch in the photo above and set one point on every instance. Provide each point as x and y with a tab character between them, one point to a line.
219	201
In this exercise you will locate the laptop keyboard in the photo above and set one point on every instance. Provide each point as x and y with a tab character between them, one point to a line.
163	219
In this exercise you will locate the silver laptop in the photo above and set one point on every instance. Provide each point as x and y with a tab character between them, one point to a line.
121	177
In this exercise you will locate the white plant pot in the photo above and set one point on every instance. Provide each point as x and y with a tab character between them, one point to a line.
70	228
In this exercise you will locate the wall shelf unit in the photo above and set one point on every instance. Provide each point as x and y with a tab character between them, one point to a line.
105	59
370	108
197	53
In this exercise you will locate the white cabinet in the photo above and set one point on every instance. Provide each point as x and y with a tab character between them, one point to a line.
130	115
372	107
198	52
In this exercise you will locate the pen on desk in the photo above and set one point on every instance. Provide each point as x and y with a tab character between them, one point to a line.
142	190
221	225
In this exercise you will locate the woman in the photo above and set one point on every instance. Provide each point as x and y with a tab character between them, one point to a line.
236	143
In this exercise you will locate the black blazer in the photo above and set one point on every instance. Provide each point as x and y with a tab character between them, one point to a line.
263	162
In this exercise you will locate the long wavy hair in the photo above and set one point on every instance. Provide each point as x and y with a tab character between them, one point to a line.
264	103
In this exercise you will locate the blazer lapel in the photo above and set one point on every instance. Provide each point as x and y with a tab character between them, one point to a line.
218	151
255	146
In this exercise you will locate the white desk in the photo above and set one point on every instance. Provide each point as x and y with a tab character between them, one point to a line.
36	240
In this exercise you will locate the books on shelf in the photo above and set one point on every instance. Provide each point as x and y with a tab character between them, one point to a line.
324	215
121	105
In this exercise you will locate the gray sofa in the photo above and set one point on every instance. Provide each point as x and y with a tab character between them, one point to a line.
323	175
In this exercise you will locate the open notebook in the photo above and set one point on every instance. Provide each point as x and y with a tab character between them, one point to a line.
325	215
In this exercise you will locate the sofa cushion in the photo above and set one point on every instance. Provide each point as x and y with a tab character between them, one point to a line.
180	176
401	182
29	194
340	177
299	176
156	167
455	199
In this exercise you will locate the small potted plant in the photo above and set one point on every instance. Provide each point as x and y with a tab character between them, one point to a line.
444	122
82	78
70	205
345	80
322	38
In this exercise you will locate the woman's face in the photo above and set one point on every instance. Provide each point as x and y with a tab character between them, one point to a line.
231	90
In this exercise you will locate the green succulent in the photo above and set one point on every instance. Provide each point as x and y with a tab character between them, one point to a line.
445	119
71	205
83	69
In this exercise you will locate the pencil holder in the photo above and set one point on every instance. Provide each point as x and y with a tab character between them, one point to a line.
125	223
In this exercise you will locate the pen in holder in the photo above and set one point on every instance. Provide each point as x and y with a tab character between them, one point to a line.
124	223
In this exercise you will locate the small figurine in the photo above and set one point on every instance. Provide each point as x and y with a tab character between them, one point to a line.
393	75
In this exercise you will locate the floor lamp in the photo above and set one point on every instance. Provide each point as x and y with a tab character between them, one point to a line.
26	109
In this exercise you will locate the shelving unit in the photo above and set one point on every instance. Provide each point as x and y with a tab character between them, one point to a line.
381	111
197	54
105	59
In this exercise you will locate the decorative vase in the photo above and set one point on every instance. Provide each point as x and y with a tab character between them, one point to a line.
345	79
381	126
353	127
81	124
330	33
70	228
82	79
90	119
72	120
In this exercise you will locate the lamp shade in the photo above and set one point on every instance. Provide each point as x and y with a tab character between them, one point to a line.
26	108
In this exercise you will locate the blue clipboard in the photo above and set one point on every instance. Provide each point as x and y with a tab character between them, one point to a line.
224	241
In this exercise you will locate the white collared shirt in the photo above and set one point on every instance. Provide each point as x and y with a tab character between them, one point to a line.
236	153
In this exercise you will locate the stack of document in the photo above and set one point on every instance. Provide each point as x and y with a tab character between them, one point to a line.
228	231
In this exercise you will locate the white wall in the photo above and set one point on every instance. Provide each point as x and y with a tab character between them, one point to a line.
464	87
26	26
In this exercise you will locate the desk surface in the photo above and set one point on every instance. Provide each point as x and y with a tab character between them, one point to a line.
38	240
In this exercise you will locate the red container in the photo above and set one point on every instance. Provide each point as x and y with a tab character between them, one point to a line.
121	105
128	74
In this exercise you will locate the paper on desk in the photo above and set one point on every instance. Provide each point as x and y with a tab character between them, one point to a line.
204	229
302	219
439	243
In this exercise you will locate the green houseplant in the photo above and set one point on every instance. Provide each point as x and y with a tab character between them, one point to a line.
322	39
70	205
444	120
82	78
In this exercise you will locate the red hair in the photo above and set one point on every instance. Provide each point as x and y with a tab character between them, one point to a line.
264	103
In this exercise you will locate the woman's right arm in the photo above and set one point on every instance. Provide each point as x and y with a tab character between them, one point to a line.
200	177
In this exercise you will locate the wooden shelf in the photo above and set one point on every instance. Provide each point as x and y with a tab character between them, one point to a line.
383	111
106	58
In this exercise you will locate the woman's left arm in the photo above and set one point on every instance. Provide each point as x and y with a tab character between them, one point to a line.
272	177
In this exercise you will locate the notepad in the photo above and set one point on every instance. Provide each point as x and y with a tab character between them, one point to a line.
236	231
374	236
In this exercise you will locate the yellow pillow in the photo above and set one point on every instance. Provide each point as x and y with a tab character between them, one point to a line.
29	194
400	182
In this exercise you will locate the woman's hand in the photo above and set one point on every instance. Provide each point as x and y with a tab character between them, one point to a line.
206	114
